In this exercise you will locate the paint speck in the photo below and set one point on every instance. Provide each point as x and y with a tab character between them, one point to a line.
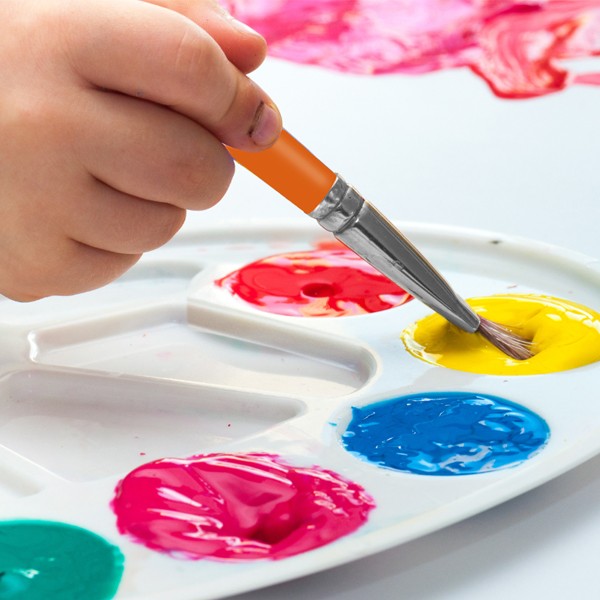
45	560
237	506
445	433
329	281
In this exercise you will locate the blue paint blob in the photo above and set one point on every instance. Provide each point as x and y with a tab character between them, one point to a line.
445	433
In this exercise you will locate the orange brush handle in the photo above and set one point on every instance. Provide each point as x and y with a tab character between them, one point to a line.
290	169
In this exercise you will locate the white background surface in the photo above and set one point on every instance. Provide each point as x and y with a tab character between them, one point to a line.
441	148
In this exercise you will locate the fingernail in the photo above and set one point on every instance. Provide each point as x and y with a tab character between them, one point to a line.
266	126
242	27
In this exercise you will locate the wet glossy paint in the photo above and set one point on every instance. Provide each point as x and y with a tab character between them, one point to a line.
329	281
564	335
45	560
237	507
445	433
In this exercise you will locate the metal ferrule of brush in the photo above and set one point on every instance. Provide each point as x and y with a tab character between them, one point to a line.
361	227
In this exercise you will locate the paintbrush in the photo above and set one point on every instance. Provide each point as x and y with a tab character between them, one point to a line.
293	171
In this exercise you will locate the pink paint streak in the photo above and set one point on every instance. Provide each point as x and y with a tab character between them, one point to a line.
331	281
516	47
237	507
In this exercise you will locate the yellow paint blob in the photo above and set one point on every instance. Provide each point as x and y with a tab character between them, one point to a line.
564	336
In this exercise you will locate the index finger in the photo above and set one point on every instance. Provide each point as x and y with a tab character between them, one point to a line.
157	54
243	46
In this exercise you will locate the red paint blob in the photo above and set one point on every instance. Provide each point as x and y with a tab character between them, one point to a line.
331	281
237	507
515	45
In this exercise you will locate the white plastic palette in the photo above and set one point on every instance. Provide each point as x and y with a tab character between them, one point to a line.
163	363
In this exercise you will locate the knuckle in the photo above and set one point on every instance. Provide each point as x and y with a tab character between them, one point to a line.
18	295
200	177
67	269
232	96
199	60
239	107
30	112
192	54
81	269
36	278
166	226
92	268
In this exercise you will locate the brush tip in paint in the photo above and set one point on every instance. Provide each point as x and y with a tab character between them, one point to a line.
505	340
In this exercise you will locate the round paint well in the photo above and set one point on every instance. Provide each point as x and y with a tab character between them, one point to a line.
445	433
564	335
237	506
330	281
45	560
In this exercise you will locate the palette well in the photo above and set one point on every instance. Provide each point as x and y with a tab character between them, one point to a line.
166	370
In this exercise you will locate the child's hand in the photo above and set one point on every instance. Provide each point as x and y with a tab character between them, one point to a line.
112	114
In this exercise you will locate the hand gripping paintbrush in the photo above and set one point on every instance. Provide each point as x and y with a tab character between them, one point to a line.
290	169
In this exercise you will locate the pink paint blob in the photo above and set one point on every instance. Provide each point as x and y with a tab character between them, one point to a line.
237	507
515	46
331	281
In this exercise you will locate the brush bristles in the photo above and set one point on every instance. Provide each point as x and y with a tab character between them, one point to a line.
505	340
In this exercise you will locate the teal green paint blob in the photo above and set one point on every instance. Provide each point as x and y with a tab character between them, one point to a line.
45	560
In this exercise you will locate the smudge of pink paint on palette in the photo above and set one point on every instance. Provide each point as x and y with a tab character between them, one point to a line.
516	47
